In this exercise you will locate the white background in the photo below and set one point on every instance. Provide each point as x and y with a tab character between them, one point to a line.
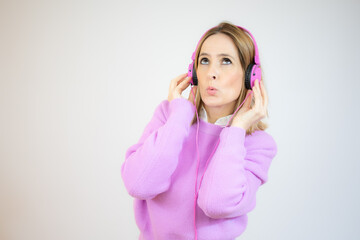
79	80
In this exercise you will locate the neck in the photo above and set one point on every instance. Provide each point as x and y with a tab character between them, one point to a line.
214	113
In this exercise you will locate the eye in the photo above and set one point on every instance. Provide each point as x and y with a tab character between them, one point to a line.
226	61
204	61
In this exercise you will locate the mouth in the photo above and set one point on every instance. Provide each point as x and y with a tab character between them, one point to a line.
211	90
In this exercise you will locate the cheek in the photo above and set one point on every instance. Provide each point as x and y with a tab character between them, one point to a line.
234	84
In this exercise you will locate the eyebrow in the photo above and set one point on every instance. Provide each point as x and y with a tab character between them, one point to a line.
219	55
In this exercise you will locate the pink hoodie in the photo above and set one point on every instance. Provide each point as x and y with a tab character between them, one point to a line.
160	172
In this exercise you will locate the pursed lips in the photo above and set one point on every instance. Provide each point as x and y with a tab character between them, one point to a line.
211	90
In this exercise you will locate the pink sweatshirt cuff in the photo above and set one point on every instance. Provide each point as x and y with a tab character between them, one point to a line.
181	110
233	135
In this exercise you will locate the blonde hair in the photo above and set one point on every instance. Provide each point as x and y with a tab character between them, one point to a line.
246	51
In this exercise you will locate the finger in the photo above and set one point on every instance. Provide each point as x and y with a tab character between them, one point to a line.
192	94
257	95
176	80
181	78
264	93
184	84
172	85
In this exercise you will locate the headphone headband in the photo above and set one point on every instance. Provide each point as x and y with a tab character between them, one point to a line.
256	58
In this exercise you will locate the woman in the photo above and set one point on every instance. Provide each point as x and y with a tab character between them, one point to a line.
197	179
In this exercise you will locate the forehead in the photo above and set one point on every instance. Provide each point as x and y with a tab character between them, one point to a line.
219	43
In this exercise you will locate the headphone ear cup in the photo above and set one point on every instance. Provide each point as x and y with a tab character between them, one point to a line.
252	73
248	76
194	76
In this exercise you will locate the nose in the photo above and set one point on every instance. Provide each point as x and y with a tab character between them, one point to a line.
213	72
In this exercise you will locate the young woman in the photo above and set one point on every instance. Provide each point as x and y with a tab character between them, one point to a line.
197	178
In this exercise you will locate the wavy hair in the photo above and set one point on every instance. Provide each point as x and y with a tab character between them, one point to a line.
246	52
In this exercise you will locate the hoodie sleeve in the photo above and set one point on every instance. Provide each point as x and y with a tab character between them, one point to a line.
150	163
235	173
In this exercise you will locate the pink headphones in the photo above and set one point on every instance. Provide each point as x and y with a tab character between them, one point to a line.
252	72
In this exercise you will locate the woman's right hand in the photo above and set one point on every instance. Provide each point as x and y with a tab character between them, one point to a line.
177	86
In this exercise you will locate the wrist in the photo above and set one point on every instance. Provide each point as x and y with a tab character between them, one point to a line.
239	124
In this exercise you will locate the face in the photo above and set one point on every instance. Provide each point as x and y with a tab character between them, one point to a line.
220	74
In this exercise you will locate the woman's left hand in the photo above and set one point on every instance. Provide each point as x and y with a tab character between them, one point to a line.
247	115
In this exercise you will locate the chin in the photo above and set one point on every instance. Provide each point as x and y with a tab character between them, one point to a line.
213	102
217	101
